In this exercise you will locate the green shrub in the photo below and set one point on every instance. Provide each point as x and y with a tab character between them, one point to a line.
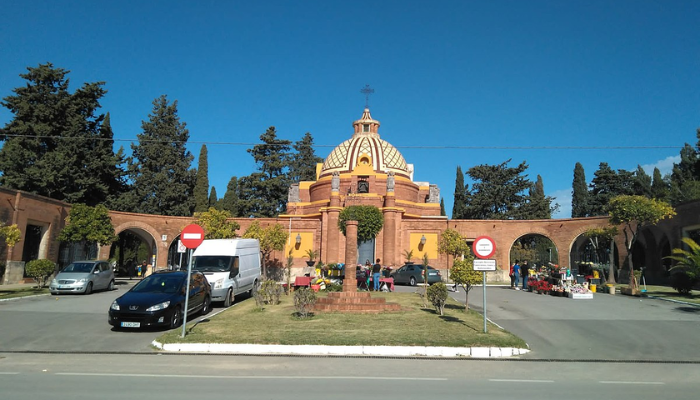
681	281
304	301
270	292
334	287
437	295
40	270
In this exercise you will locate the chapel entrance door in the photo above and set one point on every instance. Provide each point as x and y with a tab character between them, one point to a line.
365	251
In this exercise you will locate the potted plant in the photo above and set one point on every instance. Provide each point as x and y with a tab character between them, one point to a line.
312	257
409	256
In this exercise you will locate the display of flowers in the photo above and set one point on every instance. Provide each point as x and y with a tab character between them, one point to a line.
580	289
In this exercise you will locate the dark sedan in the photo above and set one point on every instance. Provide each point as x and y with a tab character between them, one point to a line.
159	300
413	274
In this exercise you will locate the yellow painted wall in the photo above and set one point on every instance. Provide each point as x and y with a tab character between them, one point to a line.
430	246
299	251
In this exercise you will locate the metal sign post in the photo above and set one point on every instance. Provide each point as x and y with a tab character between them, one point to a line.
187	295
484	247
191	236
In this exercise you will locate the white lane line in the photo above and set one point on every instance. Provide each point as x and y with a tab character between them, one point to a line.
521	380
9	373
375	378
631	383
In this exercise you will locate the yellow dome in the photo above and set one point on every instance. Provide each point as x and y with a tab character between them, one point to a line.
365	146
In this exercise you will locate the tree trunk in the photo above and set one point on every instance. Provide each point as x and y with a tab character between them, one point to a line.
466	300
611	270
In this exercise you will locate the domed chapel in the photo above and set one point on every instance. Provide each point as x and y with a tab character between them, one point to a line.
366	170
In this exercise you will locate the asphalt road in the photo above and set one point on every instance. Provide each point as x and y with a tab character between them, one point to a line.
173	377
69	323
604	328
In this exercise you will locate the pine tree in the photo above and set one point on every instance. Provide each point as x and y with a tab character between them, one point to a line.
213	200
442	207
57	145
685	183
499	191
608	184
266	191
201	186
302	166
580	197
641	184
659	187
160	164
230	201
460	200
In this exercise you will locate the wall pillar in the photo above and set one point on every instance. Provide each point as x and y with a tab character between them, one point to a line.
350	283
333	233
390	232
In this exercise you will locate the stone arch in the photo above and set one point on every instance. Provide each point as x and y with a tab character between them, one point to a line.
539	257
147	233
600	257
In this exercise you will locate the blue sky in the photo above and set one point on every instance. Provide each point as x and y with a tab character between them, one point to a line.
458	83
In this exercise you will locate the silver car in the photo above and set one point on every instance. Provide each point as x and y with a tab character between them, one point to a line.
83	277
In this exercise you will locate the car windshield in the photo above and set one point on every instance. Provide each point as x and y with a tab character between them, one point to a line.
212	263
79	267
159	284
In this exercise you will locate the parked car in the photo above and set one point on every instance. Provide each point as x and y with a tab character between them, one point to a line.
83	277
159	300
413	274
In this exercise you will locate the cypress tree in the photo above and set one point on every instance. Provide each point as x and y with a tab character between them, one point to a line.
659	187
442	207
579	197
213	200
460	201
641	185
230	201
201	186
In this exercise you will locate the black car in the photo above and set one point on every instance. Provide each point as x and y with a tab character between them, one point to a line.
413	273
159	300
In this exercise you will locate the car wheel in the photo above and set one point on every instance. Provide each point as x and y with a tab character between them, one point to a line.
206	307
111	285
88	289
228	300
412	281
176	318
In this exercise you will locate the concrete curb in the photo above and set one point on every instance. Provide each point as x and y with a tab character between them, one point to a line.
671	300
25	297
308	350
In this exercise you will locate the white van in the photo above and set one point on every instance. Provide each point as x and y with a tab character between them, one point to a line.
232	266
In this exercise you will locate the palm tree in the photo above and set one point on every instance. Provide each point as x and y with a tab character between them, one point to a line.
687	261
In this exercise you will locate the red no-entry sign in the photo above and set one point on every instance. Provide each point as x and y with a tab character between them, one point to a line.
192	236
484	247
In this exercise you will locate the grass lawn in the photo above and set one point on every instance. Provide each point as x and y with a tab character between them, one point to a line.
668	292
414	326
21	292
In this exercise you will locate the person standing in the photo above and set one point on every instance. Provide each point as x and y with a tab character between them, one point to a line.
510	274
376	273
516	274
524	273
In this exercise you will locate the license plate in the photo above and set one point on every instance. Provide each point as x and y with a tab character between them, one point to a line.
130	324
64	287
432	273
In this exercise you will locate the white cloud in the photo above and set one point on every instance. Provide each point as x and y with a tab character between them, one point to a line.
563	198
665	166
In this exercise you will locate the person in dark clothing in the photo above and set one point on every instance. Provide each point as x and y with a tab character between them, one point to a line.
376	273
525	272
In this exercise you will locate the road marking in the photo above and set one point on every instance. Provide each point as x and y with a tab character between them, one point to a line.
521	380
9	373
631	383
371	378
